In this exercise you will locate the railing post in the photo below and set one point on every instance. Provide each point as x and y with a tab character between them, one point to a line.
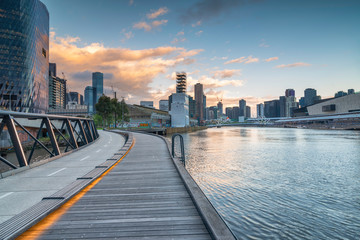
50	131
89	130
181	146
15	140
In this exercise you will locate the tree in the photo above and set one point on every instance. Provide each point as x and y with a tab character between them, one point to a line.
104	108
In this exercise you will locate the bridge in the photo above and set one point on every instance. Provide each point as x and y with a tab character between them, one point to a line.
123	185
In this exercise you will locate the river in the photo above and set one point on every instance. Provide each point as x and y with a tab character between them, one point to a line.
277	183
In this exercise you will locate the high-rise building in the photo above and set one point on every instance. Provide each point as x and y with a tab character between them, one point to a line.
52	69
309	96
24	54
75	97
215	114
290	106
228	112
260	110
282	106
351	91
180	110
199	99
164	105
204	107
192	107
272	109
242	107
57	93
248	112
89	99
289	92
220	108
180	82
236	113
98	85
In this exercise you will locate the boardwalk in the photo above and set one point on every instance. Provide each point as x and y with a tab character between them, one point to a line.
142	197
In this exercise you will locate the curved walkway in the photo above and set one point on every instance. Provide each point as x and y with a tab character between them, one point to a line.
23	190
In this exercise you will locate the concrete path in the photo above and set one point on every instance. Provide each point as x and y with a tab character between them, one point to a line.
143	197
25	189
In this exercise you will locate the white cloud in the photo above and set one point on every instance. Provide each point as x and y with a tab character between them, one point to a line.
271	59
292	65
226	73
157	13
245	60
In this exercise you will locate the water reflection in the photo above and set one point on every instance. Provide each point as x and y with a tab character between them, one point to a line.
280	183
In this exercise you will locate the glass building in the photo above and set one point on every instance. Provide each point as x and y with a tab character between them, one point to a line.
89	99
24	56
57	93
98	84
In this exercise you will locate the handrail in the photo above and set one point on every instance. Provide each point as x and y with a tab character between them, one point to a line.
181	146
84	130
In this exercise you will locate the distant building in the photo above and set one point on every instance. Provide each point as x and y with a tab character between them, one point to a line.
24	56
52	69
145	117
260	110
289	92
248	112
351	91
180	82
57	93
235	113
282	106
204	106
340	94
170	101
220	108
75	97
164	105
180	110
90	94
290	106
242	108
149	104
98	85
310	97
199	99
228	112
192	108
272	109
213	113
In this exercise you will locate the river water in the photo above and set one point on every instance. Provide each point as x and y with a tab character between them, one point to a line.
276	183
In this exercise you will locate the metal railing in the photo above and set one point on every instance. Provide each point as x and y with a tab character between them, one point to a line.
80	131
182	149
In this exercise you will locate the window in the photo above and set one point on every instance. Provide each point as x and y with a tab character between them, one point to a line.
44	52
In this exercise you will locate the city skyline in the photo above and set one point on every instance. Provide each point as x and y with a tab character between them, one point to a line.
240	50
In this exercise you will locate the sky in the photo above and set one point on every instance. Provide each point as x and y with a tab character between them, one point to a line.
239	49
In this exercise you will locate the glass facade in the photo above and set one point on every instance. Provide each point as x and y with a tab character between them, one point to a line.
57	93
97	84
89	99
24	56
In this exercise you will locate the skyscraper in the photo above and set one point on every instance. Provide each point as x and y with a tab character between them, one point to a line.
24	64
57	93
289	92
220	108
199	99
260	110
180	82
248	112
309	96
89	99
98	84
242	107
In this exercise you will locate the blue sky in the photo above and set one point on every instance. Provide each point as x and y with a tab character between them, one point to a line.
236	48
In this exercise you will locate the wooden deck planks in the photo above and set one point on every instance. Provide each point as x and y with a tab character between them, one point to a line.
143	197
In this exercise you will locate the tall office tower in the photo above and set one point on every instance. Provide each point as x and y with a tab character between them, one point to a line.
289	92
228	112
220	108
75	97
260	110
242	107
272	109
98	85
180	82
164	105
351	91
236	113
192	107
282	106
199	99
204	107
89	99
215	115
24	64
290	106
57	93
309	96
52	69
248	112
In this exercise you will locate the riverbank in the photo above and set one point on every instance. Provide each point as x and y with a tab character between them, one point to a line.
184	129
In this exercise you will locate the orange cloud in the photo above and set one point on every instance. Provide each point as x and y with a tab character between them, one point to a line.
148	27
245	60
159	12
298	64
226	73
129	71
271	59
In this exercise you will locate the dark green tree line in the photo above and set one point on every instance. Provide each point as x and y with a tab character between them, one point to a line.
110	110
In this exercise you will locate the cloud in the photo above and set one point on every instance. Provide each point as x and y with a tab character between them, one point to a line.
199	33
129	71
226	73
131	2
292	65
198	23
178	40
127	35
159	12
149	26
181	33
271	59
263	44
218	58
245	60
206	9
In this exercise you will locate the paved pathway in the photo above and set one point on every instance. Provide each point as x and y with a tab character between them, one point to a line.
143	197
23	190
